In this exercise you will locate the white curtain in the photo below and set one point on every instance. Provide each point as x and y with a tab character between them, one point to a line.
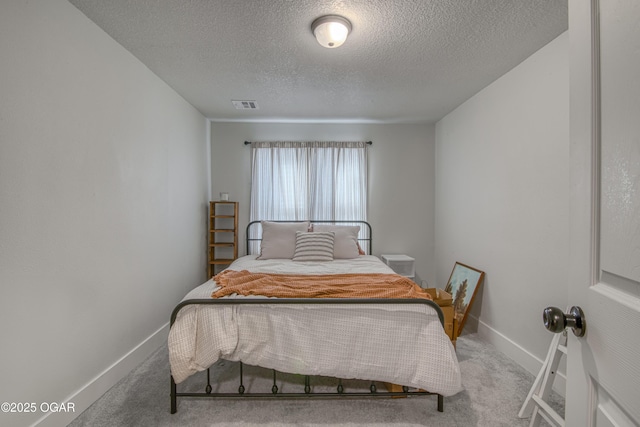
309	180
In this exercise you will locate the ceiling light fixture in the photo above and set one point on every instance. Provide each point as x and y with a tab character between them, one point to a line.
331	31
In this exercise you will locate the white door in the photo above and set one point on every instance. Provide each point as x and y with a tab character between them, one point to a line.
603	368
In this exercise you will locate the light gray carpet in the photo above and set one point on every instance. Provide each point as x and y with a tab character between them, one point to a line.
495	388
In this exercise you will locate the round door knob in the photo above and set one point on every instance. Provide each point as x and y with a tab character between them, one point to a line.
556	321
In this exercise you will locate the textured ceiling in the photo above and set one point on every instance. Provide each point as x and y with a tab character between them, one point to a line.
405	60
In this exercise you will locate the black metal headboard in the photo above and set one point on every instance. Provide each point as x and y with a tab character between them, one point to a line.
254	233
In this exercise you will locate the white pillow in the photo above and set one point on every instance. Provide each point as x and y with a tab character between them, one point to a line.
345	245
314	246
279	239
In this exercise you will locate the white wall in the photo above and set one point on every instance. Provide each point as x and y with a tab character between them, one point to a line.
103	191
502	199
401	177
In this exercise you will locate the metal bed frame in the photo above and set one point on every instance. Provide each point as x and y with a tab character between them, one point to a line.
307	393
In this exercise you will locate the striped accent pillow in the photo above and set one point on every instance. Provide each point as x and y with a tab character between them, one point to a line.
314	246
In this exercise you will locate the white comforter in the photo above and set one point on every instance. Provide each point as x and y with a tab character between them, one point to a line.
400	344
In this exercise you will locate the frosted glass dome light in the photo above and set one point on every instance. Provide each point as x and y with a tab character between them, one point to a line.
331	31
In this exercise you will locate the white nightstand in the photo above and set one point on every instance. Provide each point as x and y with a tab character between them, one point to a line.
401	264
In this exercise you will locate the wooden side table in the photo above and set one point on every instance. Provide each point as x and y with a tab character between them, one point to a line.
445	301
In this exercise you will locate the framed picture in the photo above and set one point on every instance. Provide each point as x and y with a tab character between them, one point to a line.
463	285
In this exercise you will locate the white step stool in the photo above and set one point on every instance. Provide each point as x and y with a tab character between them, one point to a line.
536	400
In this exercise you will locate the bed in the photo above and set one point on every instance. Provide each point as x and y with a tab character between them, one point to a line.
390	340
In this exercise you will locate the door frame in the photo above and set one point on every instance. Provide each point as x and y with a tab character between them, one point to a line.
585	144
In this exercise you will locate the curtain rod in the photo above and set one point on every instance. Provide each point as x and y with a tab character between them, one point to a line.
249	143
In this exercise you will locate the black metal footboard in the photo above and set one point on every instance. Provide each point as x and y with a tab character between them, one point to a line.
307	393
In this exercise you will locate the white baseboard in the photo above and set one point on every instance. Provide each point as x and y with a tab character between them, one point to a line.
94	389
515	352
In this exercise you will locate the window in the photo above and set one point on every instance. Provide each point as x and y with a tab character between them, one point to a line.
308	180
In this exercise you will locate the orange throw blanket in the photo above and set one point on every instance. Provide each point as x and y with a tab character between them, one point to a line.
372	285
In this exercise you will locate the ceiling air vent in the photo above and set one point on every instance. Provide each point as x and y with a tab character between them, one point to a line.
245	105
